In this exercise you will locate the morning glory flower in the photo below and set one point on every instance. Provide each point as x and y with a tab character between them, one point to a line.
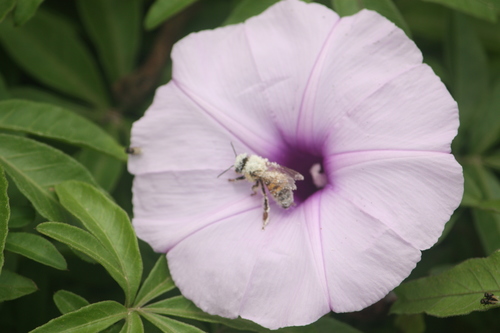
346	102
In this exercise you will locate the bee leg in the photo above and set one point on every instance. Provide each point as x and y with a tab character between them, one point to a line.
265	215
254	188
236	179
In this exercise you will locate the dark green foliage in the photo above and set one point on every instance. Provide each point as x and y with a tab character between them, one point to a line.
75	74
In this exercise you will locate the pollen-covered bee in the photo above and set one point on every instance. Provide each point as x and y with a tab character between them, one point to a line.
489	298
279	180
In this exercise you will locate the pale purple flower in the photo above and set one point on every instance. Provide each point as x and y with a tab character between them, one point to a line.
312	92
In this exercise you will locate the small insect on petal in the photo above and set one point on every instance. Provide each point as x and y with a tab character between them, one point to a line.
133	150
279	180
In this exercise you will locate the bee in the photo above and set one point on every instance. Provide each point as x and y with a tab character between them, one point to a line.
489	298
279	180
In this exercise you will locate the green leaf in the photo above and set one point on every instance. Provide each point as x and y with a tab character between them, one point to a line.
5	7
324	324
410	323
133	324
482	9
180	306
488	228
468	66
106	170
347	7
36	168
168	325
109	224
51	51
472	192
4	93
4	214
114	27
493	161
66	301
53	122
13	286
157	283
21	216
457	291
37	94
35	248
86	243
486	131
386	8
25	9
246	9
162	10
91	318
487	223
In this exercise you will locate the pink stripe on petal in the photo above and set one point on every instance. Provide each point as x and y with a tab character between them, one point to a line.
362	53
175	135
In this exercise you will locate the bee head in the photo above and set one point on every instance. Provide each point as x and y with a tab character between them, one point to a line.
239	163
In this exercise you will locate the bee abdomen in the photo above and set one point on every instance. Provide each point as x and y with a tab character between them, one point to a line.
283	196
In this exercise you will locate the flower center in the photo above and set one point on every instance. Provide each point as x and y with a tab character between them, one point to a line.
311	167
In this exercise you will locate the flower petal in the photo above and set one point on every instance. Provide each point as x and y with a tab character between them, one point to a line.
270	276
175	135
362	54
170	206
256	71
413	111
411	193
364	259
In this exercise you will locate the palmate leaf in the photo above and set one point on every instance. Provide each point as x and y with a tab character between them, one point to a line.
13	286
179	306
457	291
483	9
386	8
114	27
162	10
86	243
36	168
50	50
133	324
91	318
109	224
35	248
156	284
53	122
168	325
67	301
4	214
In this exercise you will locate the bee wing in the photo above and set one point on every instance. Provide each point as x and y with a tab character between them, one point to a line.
294	175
